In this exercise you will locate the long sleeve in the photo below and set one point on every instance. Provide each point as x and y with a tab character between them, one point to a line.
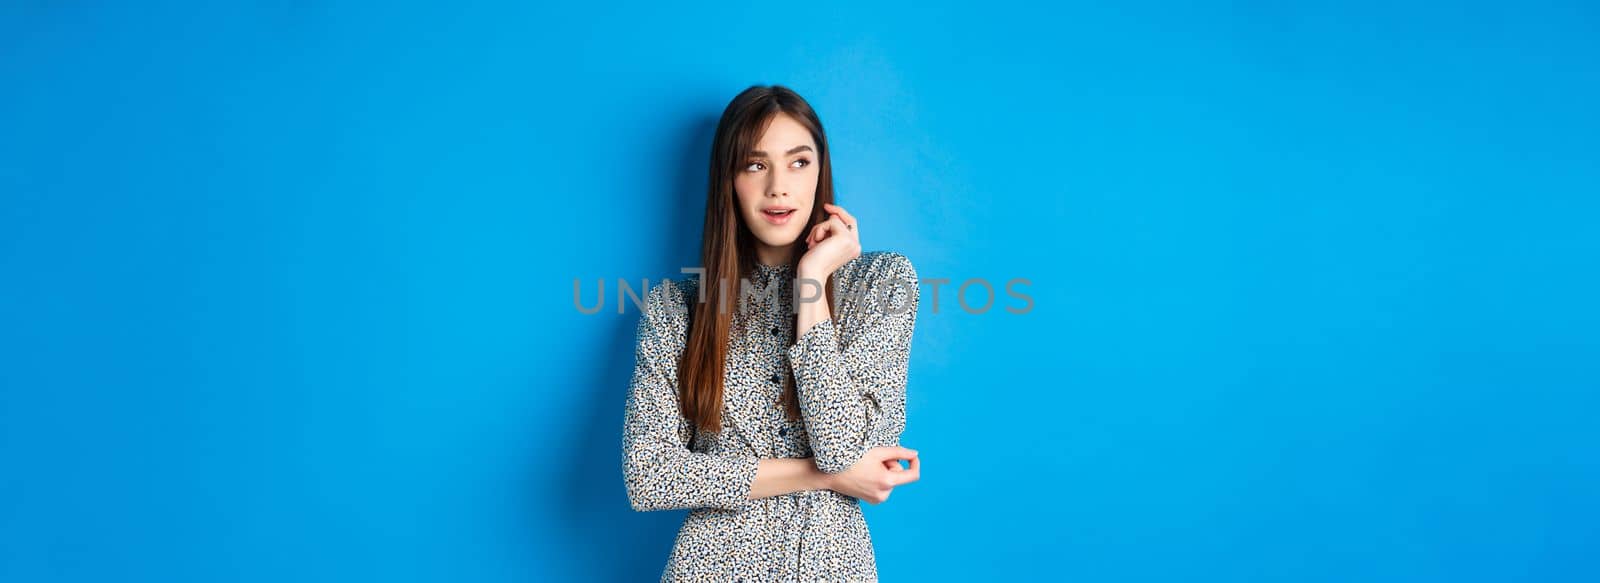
853	389
660	471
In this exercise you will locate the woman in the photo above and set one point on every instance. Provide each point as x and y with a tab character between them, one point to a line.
768	394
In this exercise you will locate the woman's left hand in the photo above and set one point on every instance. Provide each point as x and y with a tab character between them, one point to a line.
831	244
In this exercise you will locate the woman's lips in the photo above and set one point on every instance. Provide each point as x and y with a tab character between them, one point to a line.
777	219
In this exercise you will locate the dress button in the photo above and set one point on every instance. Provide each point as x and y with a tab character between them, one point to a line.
775	377
774	331
783	432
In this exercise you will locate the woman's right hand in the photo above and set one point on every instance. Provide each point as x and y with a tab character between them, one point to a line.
876	474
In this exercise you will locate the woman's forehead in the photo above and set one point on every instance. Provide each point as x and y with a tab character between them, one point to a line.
782	134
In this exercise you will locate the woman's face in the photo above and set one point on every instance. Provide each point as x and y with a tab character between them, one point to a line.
777	186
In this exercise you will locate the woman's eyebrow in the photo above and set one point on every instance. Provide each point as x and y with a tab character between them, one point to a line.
794	150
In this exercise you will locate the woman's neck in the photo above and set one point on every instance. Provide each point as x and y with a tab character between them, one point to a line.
774	256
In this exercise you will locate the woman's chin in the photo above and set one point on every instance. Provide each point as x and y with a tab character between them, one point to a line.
777	240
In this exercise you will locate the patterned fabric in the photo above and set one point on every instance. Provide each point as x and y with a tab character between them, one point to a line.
850	374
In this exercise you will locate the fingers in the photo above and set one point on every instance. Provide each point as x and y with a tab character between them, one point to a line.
890	457
836	224
839	211
908	475
818	233
893	452
827	228
845	225
838	221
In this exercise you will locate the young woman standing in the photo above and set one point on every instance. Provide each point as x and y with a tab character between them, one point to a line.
768	393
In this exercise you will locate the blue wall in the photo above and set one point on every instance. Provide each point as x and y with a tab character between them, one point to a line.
287	289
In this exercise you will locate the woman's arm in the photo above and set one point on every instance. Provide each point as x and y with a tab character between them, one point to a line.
659	469
853	390
872	478
779	476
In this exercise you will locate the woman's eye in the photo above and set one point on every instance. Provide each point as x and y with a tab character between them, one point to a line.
801	163
754	167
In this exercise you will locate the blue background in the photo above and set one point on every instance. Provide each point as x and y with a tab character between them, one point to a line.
287	287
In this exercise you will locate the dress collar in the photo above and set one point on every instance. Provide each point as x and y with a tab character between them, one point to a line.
764	273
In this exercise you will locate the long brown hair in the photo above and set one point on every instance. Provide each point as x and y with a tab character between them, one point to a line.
728	254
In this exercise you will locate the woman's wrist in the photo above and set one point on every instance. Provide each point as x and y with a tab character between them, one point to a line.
805	273
811	312
817	267
820	480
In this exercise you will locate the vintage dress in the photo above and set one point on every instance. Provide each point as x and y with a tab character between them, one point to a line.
850	375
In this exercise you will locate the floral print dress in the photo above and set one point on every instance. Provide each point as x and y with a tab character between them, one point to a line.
850	374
